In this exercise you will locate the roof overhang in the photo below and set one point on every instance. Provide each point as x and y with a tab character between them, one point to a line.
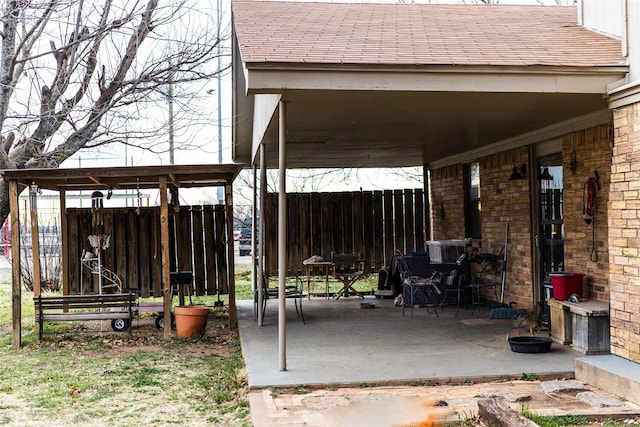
125	178
358	117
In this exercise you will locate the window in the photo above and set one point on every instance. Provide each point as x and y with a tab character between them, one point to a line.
472	205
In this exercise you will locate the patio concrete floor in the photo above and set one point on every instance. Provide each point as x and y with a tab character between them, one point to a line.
342	344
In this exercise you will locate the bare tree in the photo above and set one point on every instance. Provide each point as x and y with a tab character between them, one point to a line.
78	74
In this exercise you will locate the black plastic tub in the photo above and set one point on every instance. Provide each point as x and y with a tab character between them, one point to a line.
530	344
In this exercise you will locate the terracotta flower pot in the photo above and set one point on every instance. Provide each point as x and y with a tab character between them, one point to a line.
191	320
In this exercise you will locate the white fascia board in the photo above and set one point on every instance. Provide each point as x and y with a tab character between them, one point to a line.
452	80
624	95
265	107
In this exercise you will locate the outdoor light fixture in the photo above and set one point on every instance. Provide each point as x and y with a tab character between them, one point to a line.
518	172
545	175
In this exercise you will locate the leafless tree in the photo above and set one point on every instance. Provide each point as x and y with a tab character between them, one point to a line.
78	74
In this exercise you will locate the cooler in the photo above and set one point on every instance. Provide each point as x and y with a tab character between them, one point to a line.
566	284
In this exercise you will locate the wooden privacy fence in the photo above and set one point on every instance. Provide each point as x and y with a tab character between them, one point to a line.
196	240
371	223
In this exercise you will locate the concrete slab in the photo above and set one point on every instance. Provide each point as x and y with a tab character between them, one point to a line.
342	344
612	373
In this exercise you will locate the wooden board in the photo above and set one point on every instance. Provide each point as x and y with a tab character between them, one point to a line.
144	253
398	219
183	227
409	223
221	260
155	256
198	252
119	245
210	251
377	236
419	222
132	276
74	251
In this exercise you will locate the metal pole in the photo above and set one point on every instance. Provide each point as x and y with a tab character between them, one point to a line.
261	248
218	15
170	96
282	237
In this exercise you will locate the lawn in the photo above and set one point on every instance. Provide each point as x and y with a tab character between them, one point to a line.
88	374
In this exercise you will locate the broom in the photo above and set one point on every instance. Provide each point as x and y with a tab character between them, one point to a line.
502	311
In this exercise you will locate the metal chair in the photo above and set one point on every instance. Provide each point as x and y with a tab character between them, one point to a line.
485	279
454	283
293	291
347	268
429	285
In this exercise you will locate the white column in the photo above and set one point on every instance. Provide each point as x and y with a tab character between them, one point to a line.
282	236
261	246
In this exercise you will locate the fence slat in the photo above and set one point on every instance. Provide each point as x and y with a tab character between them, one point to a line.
198	251
133	277
210	250
74	251
221	261
144	245
398	217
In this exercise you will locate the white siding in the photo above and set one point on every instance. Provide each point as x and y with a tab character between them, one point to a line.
603	16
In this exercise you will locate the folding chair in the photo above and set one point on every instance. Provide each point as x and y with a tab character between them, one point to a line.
429	285
347	268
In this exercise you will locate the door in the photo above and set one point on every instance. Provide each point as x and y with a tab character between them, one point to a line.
550	237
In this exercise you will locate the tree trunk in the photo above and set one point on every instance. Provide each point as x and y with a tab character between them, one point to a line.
4	200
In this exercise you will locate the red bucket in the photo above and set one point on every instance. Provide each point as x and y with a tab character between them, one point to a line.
566	284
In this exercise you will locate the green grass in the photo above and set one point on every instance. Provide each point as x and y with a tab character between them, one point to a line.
78	376
553	420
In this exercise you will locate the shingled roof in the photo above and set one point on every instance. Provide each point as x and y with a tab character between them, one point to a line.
418	35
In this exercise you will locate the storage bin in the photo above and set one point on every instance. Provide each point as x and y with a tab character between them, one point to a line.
566	284
444	251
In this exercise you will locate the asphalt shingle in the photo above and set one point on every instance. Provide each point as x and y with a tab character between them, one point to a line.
418	34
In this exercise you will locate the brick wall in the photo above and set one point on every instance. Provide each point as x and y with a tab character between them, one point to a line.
624	234
503	202
591	149
447	203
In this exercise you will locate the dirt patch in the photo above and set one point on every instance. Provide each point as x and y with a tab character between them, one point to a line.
217	339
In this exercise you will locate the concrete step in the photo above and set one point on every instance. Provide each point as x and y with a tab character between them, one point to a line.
614	374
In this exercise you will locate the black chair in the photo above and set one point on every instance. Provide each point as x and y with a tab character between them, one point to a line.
293	290
430	286
454	283
487	278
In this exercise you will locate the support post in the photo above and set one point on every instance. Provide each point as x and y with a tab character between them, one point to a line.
35	240
16	289
233	311
164	243
261	249
426	179
282	236
64	242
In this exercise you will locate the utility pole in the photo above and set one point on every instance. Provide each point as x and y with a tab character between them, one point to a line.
218	18
170	96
